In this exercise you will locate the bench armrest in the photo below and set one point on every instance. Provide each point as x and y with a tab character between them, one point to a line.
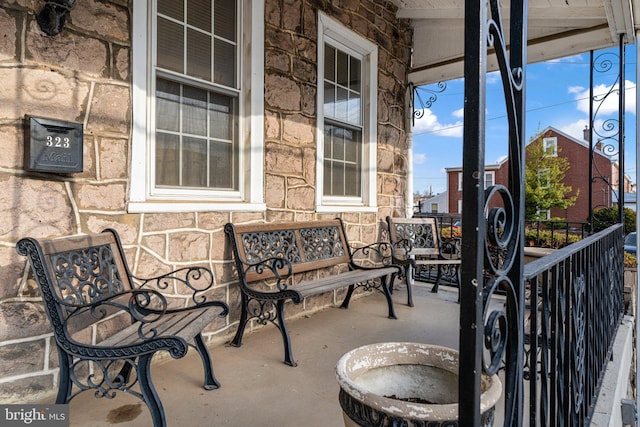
450	248
142	305
194	280
378	253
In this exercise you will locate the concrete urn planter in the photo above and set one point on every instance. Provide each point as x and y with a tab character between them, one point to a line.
406	384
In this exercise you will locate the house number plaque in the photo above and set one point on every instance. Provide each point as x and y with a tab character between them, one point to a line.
53	145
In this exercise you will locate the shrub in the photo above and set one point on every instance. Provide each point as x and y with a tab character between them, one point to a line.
606	217
630	261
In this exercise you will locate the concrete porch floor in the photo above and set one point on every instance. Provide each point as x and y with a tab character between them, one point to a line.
258	389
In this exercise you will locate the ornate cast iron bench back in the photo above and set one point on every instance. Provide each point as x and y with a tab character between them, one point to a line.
416	244
85	283
277	262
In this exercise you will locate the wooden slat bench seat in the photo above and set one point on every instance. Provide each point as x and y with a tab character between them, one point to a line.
416	243
276	262
89	291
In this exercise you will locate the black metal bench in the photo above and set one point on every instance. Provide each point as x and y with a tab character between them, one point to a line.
416	244
88	290
268	257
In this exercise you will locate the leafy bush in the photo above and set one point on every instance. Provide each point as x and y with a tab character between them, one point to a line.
606	217
544	239
630	261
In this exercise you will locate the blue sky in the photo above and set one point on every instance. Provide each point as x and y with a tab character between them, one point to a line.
557	94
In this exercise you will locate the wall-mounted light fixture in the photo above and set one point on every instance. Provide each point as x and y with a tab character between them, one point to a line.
53	16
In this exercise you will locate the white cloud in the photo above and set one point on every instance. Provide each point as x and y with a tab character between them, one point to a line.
459	113
419	158
429	123
610	104
575	129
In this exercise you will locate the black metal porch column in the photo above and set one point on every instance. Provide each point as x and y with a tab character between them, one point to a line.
493	218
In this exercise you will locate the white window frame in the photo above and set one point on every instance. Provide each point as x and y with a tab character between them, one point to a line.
460	181
346	40
492	174
459	206
250	197
550	146
546	212
542	172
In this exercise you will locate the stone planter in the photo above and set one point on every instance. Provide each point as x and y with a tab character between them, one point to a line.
406	384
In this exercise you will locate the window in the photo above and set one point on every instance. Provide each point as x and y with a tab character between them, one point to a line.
544	178
550	146
347	119
489	179
190	141
460	181
460	206
544	214
434	208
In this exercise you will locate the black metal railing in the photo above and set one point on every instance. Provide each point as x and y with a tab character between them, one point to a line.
554	233
575	304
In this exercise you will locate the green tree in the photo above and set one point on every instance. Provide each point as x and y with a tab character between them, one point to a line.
544	181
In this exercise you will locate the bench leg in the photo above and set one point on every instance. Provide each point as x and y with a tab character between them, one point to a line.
438	277
210	381
286	339
409	281
387	294
149	392
347	298
64	388
244	307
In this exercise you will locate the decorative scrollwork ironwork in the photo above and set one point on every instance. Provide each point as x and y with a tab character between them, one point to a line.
419	103
270	244
320	243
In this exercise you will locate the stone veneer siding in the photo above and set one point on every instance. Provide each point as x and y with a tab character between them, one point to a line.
84	75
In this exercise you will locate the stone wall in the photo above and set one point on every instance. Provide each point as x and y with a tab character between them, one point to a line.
84	75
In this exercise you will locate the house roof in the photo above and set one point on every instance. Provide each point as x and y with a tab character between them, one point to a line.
556	28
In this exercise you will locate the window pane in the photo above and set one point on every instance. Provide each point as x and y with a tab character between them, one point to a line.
194	162
221	113
225	19
199	55
354	112
221	165
224	63
342	70
199	14
352	147
168	105
194	115
352	180
337	179
329	63
329	100
172	8
170	45
355	75
327	178
342	96
167	159
338	145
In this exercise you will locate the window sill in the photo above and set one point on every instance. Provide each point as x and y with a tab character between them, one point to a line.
169	207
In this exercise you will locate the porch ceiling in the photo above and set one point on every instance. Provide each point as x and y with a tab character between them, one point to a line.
556	28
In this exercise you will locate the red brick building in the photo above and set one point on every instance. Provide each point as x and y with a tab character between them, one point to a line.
577	177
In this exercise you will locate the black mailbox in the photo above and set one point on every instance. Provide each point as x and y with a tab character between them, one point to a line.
53	145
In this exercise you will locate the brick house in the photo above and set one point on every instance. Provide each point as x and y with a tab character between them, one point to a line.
577	177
